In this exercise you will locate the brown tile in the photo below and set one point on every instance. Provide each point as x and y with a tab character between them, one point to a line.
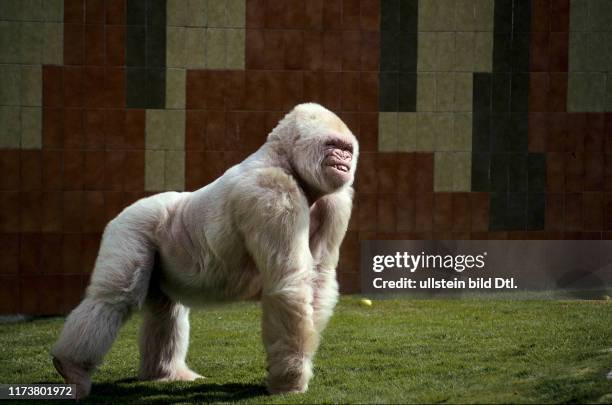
423	164
557	132
74	164
313	14
9	253
293	49
134	135
386	213
332	50
93	173
114	203
53	127
443	212
540	52
94	87
368	132
74	11
74	40
255	13
29	295
51	262
313	87
370	50
115	12
95	44
370	15
538	131
73	86
94	214
558	51
255	48
73	128
608	211
10	168
559	15
72	292
30	210
574	172
386	170
194	173
313	50
367	211
115	45
424	206
73	211
114	87
9	211
479	209
275	14
31	170
215	99
332	14
51	211
332	90
274	49
576	130
558	92
93	122
351	14
72	248
350	91
555	177
10	296
540	15
133	169
351	50
573	212
255	83
196	89
539	92
367	177
461	211
30	254
215	130
405	176
114	128
608	172
405	212
349	283
608	132
368	89
594	137
53	86
113	165
234	90
594	171
593	211
94	11
195	129
50	296
52	170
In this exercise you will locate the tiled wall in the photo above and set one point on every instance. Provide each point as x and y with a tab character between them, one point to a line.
477	118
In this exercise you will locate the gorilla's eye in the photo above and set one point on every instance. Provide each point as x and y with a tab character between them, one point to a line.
341	144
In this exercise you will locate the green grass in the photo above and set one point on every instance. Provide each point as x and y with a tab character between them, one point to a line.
468	350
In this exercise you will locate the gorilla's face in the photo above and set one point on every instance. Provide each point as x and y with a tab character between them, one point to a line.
338	160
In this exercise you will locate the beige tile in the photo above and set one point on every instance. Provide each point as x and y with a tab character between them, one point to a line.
175	130
387	131
176	12
235	48
31	42
10	92
462	132
445	91
53	10
483	15
464	15
464	55
462	171
197	13
155	129
175	170
464	91
426	132
217	16
445	52
443	132
406	132
427	51
31	128
195	48
426	92
10	126
483	51
176	42
436	15
216	48
53	44
31	85
236	13
443	171
175	88
154	170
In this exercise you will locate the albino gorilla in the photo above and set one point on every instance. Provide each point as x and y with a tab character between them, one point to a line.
269	227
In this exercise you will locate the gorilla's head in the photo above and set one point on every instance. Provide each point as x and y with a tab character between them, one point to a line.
321	149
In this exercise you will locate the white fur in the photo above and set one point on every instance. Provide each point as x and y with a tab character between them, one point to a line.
253	232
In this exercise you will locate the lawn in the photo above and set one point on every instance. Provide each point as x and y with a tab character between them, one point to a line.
450	350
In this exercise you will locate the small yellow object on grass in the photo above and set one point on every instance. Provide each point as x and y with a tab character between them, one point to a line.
364	302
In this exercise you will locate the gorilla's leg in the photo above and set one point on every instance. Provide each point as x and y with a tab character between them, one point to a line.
119	283
164	338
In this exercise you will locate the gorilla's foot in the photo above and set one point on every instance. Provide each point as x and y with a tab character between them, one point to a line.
73	373
180	374
284	388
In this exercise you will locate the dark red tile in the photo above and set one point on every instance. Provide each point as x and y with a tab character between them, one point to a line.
93	129
275	14
594	171
31	170
370	15
351	46
234	90
479	209
573	212
367	211
73	128
72	248
405	176
113	163
406	216
368	133
424	206
293	49
370	51
538	132
115	45
30	210
461	211
114	87
53	82
51	261
350	91
52	169
94	87
195	130
558	51
115	12
114	203
423	163
9	211
194	173
386	170
74	163
196	89
349	256
73	86
557	132
608	211
274	49
577	128
94	214
95	44
215	99
332	14
539	92
313	50
94	12
255	13
559	20
114	128
558	92
593	211
540	15
29	295
74	40
367	176
608	172
133	169
74	11
255	49
93	173
351	14
574	172
9	253
51	211
30	253
555	177
386	214
332	90
73	211
10	168
595	133
10	295
443	211
540	52
134	129
332	50
369	92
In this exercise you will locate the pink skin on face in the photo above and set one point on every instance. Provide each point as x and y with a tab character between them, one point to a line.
338	158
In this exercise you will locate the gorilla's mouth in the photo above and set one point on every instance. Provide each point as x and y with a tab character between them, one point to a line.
341	167
338	157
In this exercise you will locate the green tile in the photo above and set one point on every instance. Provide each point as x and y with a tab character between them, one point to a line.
175	171
195	48
408	15
390	13
156	47
31	42
217	16
516	215
578	57
156	14
136	12
176	55
406	132
462	132
31	85
426	132
464	54
53	44
480	172
483	15
443	171
499	172
517	172
426	92
464	91
174	127
445	91
11	10
445	52
175	88
135	46
53	10
483	52
387	131
536	172
390	50
136	88
235	48
585	92
498	210
608	106
407	92
32	10
236	13
155	128
216	48
579	15
154	170
197	14
31	128
600	15
464	15
176	12
10	126
156	88
388	95
598	43
462	171
427	51
536	211
10	91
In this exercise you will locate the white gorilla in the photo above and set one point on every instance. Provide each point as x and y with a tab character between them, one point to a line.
269	227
